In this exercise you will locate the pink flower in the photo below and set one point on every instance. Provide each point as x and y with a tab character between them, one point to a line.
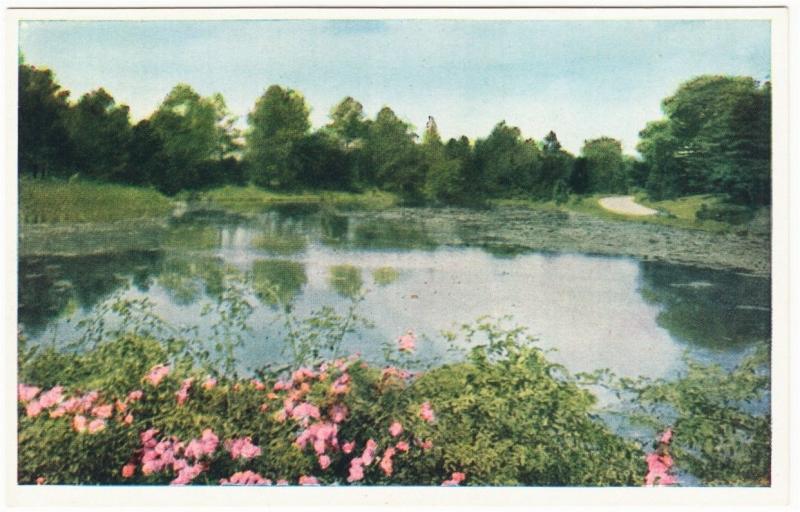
206	445
242	448
340	386
455	479
183	392
658	470
128	419
666	437
304	411
96	425
302	374
308	480
157	374
427	444
282	386
282	481
187	473
324	461
386	461
391	371
79	423
396	429
402	446
321	435
128	470
338	413
348	447
209	383
246	478
33	409
103	411
148	438
258	384
356	470
280	416
52	397
135	395
407	342
426	413
26	393
369	452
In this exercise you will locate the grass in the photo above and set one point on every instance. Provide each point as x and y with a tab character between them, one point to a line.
678	212
52	201
245	199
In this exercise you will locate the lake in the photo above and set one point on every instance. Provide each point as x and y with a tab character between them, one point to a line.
633	316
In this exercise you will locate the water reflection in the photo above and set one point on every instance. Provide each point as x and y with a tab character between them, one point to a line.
346	280
710	308
278	282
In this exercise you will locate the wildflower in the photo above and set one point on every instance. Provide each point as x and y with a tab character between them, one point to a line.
210	383
321	435
369	452
658	466
356	470
302	374
426	413
183	392
324	461
666	437
407	342
282	386
455	479
348	447
79	423
258	384
128	470
427	444
304	411
206	445
391	371
340	386
51	397
157	374
402	446
386	461
396	429
135	395
282	481
245	478
120	406
148	438
243	448
103	411
187	473
280	416
338	413
128	419
27	393
308	480
272	396
96	425
33	409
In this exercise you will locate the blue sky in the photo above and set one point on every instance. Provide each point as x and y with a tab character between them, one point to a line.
582	79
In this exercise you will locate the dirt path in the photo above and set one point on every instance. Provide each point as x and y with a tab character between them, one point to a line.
625	205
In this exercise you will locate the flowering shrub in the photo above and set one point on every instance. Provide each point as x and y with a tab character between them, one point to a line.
129	410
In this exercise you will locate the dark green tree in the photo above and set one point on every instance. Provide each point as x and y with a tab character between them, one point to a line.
279	120
605	165
348	121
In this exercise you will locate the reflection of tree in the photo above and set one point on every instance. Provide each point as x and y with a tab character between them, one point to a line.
278	282
334	227
385	276
187	279
392	234
708	307
54	285
346	280
193	237
282	234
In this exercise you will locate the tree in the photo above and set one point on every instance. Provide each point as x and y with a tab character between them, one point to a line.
554	170
100	132
348	122
506	163
43	144
279	120
715	138
604	165
320	162
194	130
390	158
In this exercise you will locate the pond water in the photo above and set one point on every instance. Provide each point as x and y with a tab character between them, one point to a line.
633	317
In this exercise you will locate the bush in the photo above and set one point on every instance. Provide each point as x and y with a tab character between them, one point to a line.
722	212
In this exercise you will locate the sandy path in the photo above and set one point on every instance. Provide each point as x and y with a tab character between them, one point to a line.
625	205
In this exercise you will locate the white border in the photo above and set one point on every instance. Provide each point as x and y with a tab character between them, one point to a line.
424	496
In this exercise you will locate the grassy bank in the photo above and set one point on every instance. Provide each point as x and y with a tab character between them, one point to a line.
679	213
49	201
244	199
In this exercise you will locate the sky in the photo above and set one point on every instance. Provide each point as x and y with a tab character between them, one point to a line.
581	79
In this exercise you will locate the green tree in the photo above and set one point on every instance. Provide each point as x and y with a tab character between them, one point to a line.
43	143
194	131
279	120
605	165
507	164
319	161
100	131
348	121
390	158
553	171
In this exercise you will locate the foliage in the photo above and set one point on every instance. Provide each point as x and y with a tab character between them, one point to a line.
605	165
722	433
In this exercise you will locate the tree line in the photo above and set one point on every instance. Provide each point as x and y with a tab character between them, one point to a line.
714	138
